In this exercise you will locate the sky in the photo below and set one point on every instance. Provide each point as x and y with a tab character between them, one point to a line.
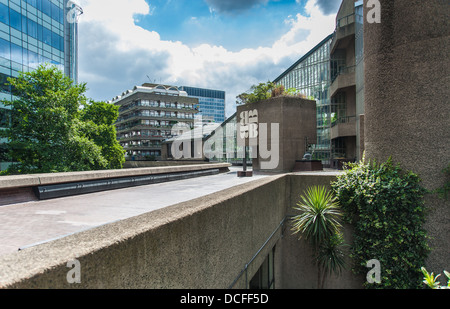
226	45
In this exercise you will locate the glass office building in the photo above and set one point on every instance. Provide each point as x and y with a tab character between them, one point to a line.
310	76
211	103
33	32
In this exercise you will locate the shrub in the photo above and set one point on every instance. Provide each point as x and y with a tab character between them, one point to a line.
386	207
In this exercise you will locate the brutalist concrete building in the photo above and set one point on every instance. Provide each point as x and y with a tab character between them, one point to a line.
147	115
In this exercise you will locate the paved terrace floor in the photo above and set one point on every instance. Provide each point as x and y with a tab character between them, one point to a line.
27	224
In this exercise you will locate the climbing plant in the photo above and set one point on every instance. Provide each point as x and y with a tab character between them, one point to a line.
385	205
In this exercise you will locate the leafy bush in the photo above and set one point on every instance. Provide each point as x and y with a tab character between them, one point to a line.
386	207
264	91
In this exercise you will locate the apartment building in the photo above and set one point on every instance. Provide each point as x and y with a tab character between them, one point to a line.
147	115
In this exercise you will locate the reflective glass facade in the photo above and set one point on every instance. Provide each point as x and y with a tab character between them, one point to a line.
33	32
311	76
211	103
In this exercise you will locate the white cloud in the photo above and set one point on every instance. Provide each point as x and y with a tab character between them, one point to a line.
116	55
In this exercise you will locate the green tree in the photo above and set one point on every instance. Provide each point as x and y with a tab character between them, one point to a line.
257	93
99	119
47	133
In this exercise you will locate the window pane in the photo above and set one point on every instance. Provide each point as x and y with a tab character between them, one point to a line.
46	36
15	19
32	29
16	53
4	14
5	49
46	7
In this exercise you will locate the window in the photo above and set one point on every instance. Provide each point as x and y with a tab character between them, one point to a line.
5	49
46	36
32	29
46	7
4	14
15	19
16	53
264	277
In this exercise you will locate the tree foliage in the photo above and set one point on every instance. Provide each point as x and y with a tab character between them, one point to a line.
264	91
49	132
385	205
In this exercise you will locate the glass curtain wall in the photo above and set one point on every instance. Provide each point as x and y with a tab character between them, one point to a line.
310	76
211	105
31	32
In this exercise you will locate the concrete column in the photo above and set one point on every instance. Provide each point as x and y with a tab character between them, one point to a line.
407	101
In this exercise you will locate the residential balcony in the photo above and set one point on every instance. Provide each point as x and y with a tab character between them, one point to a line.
345	30
343	79
345	126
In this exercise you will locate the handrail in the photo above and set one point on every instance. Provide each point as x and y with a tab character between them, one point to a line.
244	270
343	70
340	120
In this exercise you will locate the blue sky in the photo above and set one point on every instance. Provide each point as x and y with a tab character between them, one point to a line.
196	22
227	45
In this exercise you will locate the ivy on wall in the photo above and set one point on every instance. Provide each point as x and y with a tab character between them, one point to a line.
385	205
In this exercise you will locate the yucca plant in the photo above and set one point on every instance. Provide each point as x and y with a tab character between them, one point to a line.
319	223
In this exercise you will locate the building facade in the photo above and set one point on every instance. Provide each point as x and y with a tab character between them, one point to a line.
310	76
147	115
343	86
211	103
33	32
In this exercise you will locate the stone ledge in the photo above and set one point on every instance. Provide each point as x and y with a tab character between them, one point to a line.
18	181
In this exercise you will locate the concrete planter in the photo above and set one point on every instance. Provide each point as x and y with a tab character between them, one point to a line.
284	126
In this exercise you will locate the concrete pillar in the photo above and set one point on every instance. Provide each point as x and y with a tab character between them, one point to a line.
407	101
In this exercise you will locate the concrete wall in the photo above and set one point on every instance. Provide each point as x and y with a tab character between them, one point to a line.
203	243
407	99
297	120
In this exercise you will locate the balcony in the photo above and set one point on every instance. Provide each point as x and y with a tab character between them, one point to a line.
344	78
345	126
345	28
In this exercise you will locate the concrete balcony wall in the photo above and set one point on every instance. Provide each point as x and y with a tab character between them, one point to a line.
343	80
202	243
344	129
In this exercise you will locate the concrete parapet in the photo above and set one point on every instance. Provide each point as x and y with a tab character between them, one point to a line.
7	182
203	243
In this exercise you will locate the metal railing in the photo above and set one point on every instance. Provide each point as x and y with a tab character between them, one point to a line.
347	119
343	70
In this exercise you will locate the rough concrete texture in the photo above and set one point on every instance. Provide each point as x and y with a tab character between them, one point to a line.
297	121
201	243
407	97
